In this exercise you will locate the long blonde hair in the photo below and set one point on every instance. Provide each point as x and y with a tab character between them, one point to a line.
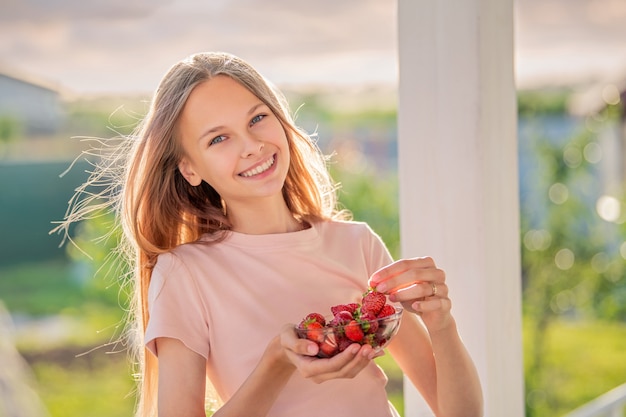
158	210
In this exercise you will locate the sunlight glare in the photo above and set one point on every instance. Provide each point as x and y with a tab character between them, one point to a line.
608	208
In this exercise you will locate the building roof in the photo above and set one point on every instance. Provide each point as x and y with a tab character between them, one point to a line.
29	78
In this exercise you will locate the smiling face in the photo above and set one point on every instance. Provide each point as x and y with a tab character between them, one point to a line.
234	142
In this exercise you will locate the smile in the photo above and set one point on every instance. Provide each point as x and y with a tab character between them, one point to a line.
259	169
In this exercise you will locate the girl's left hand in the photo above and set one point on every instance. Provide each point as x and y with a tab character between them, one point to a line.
420	286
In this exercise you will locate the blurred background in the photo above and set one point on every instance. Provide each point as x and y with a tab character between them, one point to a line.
75	71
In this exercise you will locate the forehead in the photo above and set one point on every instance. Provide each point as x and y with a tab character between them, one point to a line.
215	102
219	92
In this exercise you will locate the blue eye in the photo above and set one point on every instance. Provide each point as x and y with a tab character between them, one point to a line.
257	119
217	139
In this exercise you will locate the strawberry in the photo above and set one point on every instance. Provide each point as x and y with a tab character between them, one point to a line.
314	324
353	331
343	343
369	322
351	308
314	331
387	310
327	349
373	301
341	318
370	339
311	317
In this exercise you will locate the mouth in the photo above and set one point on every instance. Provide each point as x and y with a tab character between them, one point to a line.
259	169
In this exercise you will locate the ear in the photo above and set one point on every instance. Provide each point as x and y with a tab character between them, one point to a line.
185	168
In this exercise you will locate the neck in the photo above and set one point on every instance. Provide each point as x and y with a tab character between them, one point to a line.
260	220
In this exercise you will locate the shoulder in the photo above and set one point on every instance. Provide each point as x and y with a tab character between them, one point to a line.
178	262
349	228
186	253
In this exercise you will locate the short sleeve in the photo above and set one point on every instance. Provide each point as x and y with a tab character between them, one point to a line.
176	307
379	255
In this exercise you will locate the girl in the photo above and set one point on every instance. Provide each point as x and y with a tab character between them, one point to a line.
231	217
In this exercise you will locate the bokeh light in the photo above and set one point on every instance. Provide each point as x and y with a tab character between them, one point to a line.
536	240
610	94
558	193
609	208
593	152
564	259
572	156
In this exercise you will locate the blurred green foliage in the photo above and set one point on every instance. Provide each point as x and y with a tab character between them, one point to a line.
96	388
542	102
372	198
10	129
572	270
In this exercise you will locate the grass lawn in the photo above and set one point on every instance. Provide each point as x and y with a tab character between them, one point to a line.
582	360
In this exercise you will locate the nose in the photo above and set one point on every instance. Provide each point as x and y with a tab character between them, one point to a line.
251	147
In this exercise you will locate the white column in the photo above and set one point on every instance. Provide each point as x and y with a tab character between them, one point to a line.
458	173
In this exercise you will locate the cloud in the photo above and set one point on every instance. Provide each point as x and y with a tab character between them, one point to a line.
121	44
41	11
569	41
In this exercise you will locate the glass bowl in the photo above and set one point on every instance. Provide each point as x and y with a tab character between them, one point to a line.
335	338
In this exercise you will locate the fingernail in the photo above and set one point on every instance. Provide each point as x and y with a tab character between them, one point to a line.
354	349
382	287
312	349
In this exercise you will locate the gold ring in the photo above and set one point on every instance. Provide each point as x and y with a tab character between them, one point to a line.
434	287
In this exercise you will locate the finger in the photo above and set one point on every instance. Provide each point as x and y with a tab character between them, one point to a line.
432	304
319	370
290	341
419	291
409	278
348	366
399	267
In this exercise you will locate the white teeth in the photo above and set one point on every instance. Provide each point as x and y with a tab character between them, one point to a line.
261	168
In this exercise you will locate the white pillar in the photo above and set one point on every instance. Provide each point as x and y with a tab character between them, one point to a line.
458	173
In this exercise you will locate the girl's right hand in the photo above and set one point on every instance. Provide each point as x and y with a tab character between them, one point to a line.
347	364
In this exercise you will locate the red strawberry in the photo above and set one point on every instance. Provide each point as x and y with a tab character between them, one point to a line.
311	317
343	343
387	310
373	301
314	324
341	318
314	331
368	321
351	308
327	349
372	340
354	332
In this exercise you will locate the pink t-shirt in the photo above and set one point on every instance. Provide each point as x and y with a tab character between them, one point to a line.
226	301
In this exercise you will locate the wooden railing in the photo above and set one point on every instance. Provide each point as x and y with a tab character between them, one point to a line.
610	404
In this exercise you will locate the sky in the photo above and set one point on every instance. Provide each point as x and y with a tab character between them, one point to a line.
125	46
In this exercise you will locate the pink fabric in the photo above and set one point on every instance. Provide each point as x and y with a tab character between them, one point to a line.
226	301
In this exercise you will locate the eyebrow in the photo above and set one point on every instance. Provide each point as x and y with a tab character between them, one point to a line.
220	127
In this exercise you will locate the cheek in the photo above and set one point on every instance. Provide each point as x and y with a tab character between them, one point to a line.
219	170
